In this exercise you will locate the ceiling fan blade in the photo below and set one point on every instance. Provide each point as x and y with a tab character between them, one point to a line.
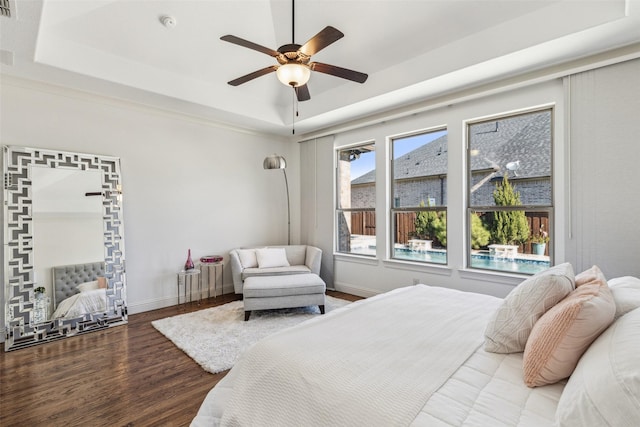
302	92
344	73
253	75
246	43
321	40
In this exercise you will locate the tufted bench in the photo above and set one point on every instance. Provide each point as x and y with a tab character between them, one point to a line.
270	292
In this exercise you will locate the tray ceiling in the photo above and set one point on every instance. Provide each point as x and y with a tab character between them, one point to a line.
412	50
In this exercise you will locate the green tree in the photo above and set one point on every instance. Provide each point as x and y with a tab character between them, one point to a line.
441	231
430	225
479	234
508	227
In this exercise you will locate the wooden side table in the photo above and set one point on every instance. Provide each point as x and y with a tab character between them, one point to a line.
210	273
186	278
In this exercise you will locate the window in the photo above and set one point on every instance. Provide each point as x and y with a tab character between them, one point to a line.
419	197
356	193
510	199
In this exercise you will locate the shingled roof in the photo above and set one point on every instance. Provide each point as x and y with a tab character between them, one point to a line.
524	139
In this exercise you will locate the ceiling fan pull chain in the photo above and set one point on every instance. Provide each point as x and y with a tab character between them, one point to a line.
294	112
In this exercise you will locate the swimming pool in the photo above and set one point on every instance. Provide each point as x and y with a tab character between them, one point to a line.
479	260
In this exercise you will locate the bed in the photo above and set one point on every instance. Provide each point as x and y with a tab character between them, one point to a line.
429	356
79	289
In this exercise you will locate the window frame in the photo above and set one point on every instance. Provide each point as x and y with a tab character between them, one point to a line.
393	209
548	209
339	210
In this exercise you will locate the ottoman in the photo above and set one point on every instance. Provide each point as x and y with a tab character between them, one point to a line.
287	291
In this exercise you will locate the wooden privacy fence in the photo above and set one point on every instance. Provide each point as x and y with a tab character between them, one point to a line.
364	223
537	221
405	226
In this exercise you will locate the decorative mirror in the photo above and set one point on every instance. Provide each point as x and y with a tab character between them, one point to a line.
64	267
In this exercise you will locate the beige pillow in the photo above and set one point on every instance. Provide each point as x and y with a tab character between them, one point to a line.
626	294
510	326
604	389
563	333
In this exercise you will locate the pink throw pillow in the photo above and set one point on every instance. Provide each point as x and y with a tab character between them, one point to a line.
594	274
102	282
563	334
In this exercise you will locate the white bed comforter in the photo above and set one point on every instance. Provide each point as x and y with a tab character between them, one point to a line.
372	371
485	390
92	301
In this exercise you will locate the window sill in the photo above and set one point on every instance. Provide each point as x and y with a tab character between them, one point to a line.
492	276
361	259
441	269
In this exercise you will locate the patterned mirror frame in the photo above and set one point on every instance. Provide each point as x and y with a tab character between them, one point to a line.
18	246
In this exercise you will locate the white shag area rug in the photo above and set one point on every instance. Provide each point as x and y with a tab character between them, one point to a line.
216	337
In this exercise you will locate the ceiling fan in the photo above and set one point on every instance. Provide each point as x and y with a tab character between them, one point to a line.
294	60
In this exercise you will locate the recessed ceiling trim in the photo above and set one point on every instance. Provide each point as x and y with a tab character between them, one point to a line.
603	59
73	44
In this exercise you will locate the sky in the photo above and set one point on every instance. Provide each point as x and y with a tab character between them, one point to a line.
402	146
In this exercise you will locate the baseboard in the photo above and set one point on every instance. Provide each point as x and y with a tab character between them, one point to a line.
141	307
348	288
148	305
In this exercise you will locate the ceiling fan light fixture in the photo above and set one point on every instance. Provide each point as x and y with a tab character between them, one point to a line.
293	75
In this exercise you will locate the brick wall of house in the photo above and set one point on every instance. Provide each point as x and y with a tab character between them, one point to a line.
532	191
412	192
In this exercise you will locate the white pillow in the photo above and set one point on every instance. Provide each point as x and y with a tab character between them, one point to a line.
88	286
510	325
247	258
272	257
604	389
626	294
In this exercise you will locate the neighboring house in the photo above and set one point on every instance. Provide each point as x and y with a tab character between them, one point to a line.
421	175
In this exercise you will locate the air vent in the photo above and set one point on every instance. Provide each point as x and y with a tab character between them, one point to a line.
5	8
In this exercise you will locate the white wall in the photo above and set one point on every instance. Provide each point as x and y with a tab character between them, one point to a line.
316	218
186	183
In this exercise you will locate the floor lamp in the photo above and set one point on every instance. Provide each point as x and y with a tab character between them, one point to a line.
278	162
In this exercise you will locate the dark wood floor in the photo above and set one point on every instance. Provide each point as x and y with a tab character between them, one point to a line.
128	375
